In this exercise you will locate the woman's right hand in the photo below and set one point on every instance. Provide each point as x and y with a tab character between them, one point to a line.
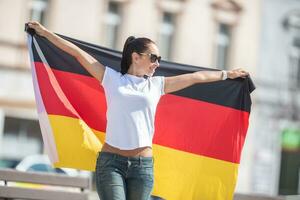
39	29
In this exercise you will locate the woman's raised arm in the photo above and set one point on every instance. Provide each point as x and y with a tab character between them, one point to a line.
95	68
175	83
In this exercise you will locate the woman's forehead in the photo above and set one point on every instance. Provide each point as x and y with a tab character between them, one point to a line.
152	48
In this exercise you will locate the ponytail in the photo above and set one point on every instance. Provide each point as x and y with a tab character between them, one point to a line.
126	55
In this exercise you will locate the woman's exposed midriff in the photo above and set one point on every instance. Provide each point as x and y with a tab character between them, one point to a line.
143	151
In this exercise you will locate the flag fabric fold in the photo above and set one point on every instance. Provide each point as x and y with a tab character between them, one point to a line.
199	131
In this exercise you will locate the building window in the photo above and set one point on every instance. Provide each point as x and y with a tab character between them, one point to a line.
298	72
38	10
112	24
291	23
295	65
166	36
23	132
223	46
297	61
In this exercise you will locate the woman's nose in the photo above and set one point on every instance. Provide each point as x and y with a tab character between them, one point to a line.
157	63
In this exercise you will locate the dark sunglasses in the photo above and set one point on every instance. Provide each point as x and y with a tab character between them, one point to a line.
153	57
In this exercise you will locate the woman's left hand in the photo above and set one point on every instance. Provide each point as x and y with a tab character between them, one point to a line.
236	73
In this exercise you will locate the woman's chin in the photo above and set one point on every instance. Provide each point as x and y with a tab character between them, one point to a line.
151	73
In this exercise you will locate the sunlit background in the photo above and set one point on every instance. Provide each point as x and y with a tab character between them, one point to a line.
261	36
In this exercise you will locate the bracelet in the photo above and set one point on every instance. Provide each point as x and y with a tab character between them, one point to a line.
224	75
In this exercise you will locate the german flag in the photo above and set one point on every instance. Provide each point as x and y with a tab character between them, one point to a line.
200	131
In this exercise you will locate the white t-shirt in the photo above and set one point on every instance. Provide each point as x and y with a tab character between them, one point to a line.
131	105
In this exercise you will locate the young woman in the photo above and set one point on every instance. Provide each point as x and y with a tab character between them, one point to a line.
124	167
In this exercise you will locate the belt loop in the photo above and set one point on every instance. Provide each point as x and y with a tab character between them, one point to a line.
140	161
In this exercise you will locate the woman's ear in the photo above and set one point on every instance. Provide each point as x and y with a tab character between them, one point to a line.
135	57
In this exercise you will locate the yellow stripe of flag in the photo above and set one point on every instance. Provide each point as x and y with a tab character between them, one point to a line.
181	175
77	144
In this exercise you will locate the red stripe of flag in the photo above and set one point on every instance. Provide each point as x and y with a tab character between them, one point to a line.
209	129
85	92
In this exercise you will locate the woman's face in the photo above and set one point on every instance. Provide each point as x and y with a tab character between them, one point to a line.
147	62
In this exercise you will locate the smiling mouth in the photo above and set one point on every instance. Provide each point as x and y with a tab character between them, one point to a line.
151	71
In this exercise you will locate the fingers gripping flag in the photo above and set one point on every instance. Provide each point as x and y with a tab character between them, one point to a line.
200	131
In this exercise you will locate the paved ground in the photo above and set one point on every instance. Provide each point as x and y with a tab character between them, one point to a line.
94	196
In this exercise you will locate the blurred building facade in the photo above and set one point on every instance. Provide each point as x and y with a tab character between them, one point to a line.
258	35
276	130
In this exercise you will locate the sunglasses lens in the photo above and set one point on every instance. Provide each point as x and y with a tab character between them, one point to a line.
155	58
159	59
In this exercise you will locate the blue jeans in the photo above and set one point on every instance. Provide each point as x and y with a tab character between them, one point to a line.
124	178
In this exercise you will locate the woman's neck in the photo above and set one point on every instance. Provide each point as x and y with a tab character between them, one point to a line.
134	72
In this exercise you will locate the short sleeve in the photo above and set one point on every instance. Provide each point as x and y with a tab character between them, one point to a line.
110	76
159	82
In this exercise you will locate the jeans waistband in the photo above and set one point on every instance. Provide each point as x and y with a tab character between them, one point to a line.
124	158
